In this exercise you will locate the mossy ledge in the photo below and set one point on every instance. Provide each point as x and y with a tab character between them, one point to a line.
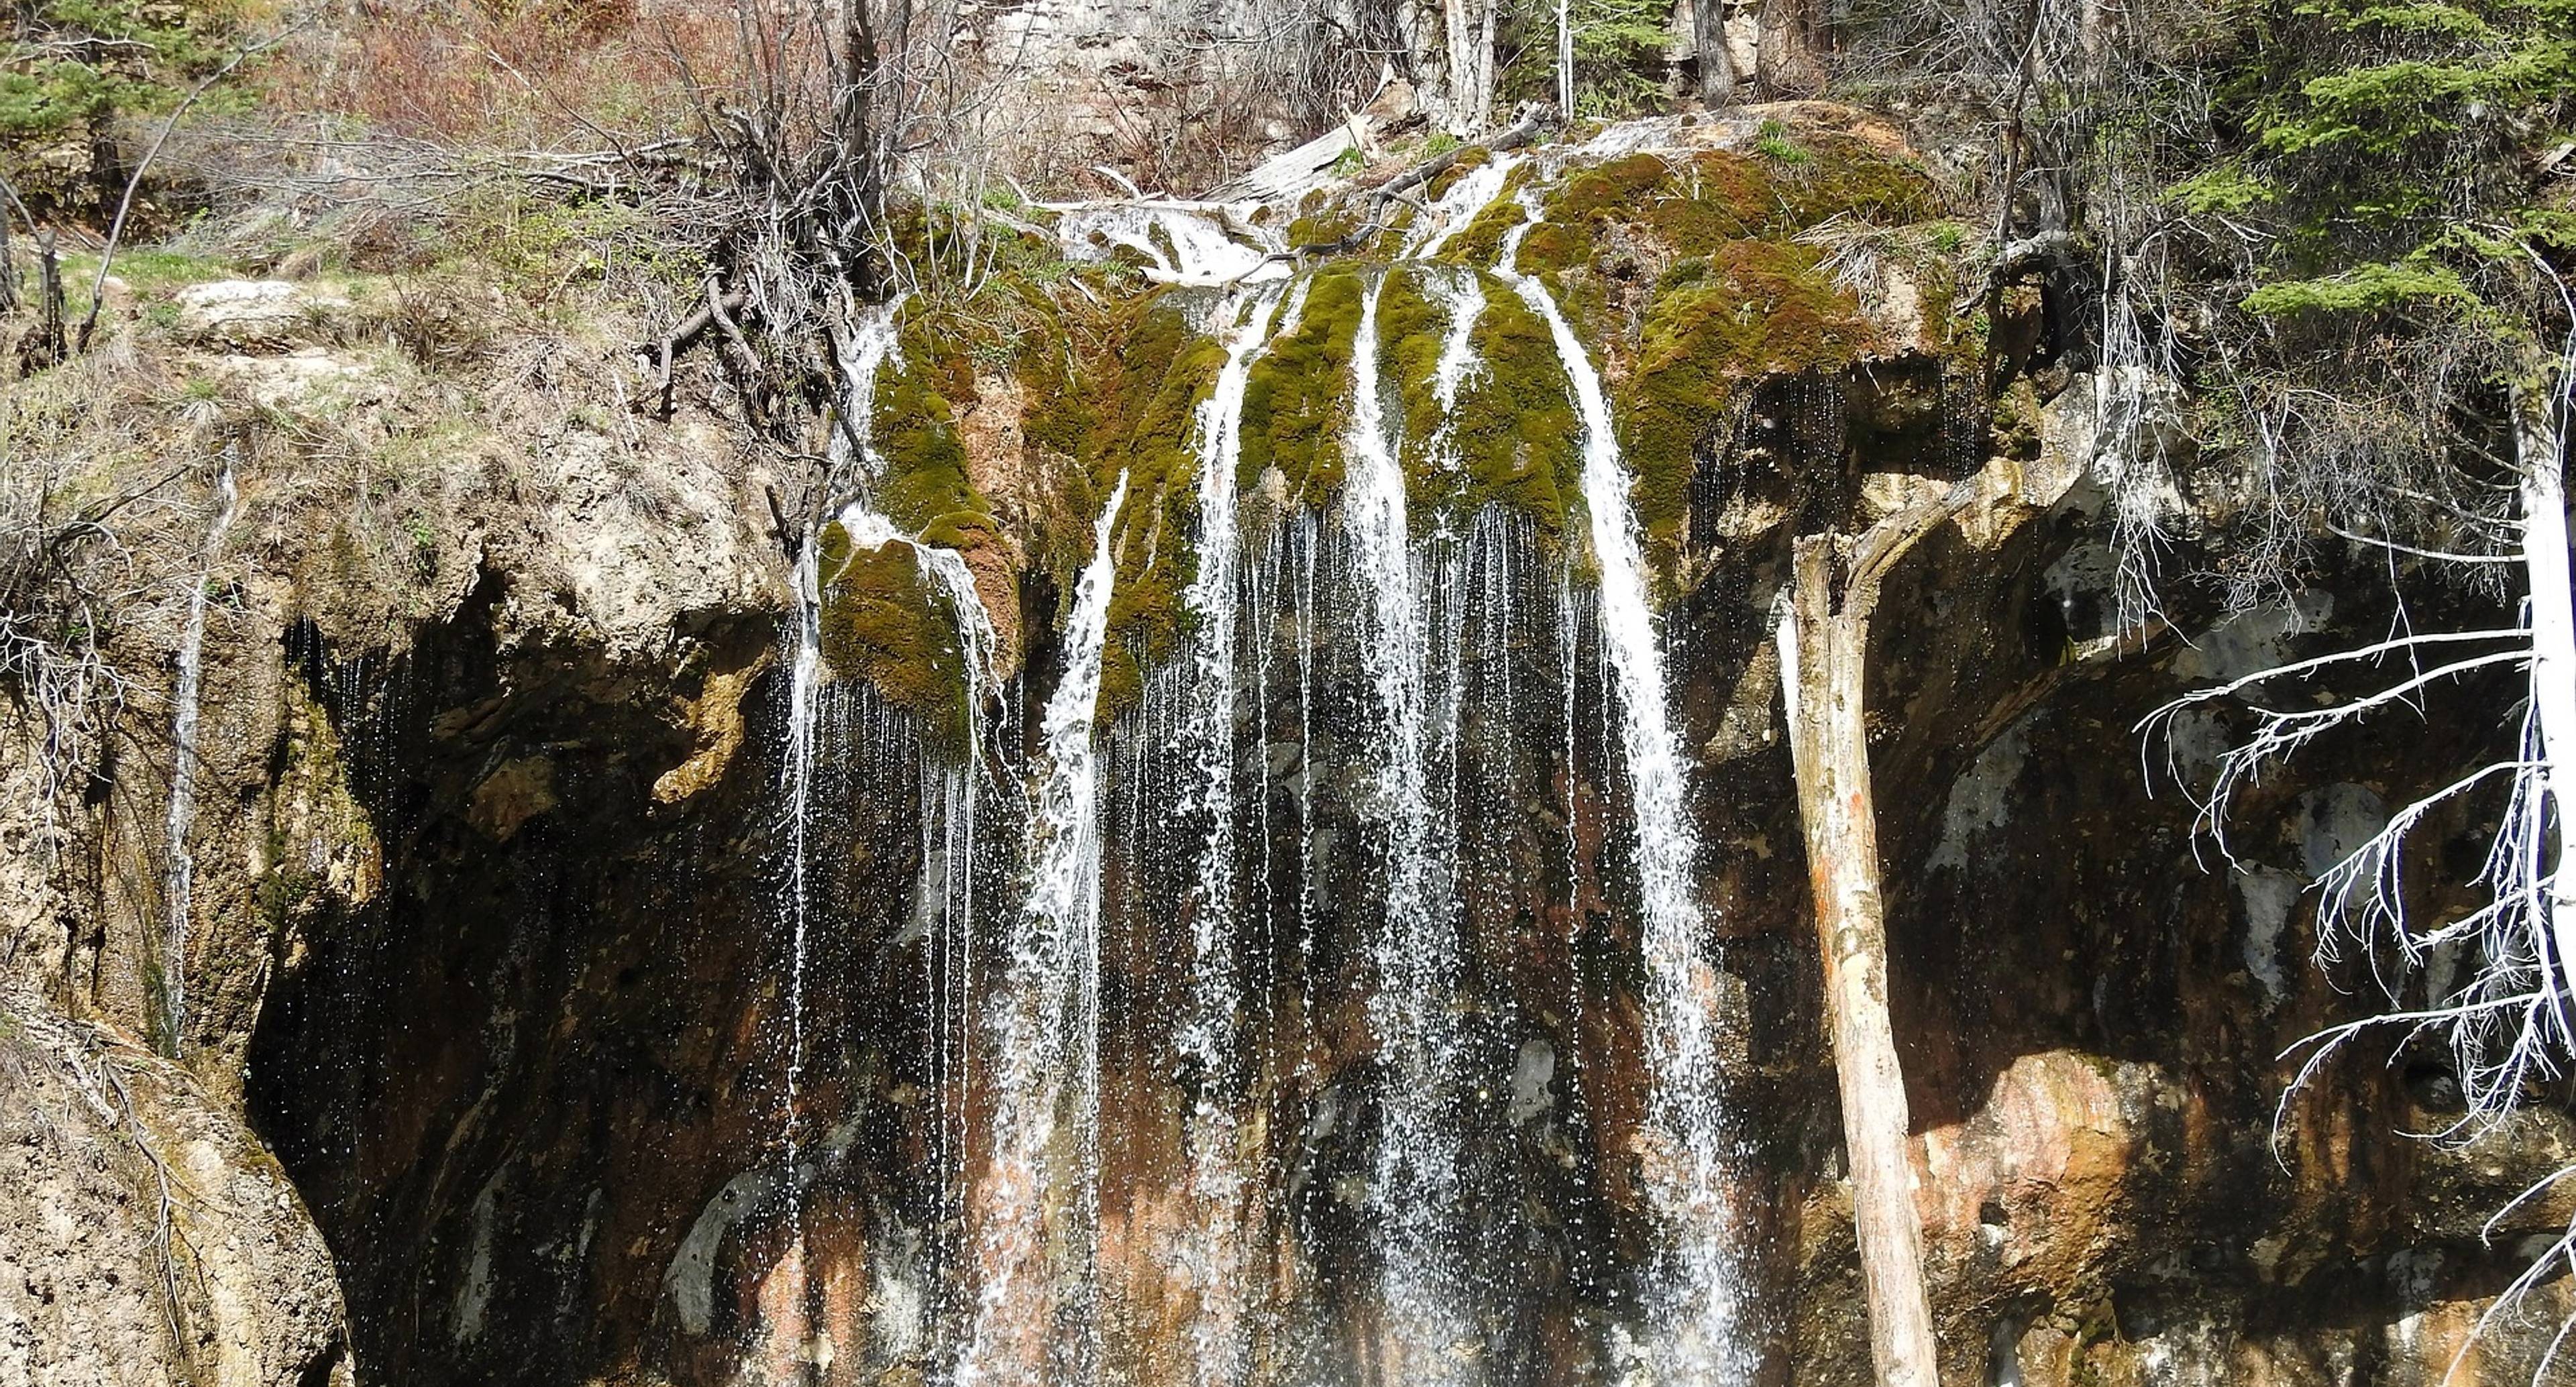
882	621
1148	420
1511	438
1718	324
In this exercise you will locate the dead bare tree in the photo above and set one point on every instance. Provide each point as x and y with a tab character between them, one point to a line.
2509	1017
1824	648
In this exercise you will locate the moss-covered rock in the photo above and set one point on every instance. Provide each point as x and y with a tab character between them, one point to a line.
1512	438
1686	206
1148	414
1296	399
1480	242
885	622
1753	309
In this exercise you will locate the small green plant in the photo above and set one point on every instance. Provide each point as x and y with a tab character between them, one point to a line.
1948	237
1348	162
1440	144
424	548
1772	140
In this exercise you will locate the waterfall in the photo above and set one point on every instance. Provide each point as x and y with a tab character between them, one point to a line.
1209	1033
181	877
862	351
1458	206
946	571
1414	952
1462	293
1696	1335
796	788
1186	243
1045	1073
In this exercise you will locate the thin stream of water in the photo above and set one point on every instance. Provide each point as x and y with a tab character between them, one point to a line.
180	880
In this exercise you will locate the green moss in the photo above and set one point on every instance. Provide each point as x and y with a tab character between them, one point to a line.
2017	421
882	621
1329	227
1057	414
1468	161
1480	242
1148	431
1296	401
1851	177
1692	206
1753	309
925	462
1512	440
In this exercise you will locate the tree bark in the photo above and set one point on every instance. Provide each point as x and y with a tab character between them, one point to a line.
1708	35
1460	34
1788	61
1564	59
1428	43
1485	67
1824	643
2540	447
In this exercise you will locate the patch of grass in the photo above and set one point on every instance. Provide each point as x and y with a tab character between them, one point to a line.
1772	140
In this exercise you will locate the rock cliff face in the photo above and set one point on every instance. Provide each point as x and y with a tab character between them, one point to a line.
630	1000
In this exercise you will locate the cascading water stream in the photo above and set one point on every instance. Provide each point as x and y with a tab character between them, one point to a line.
1188	244
863	353
1208	1035
184	708
1033	1319
1458	206
1696	1329
1414	952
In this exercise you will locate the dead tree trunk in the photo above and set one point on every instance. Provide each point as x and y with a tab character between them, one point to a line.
2540	446
1824	647
853	121
1564	60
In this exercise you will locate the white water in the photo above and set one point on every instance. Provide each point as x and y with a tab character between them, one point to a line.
1046	1077
1208	1034
1194	247
1448	216
945	570
1414	952
180	879
1462	293
1696	1329
796	787
863	352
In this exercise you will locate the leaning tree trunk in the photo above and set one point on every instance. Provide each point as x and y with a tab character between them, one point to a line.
1824	641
